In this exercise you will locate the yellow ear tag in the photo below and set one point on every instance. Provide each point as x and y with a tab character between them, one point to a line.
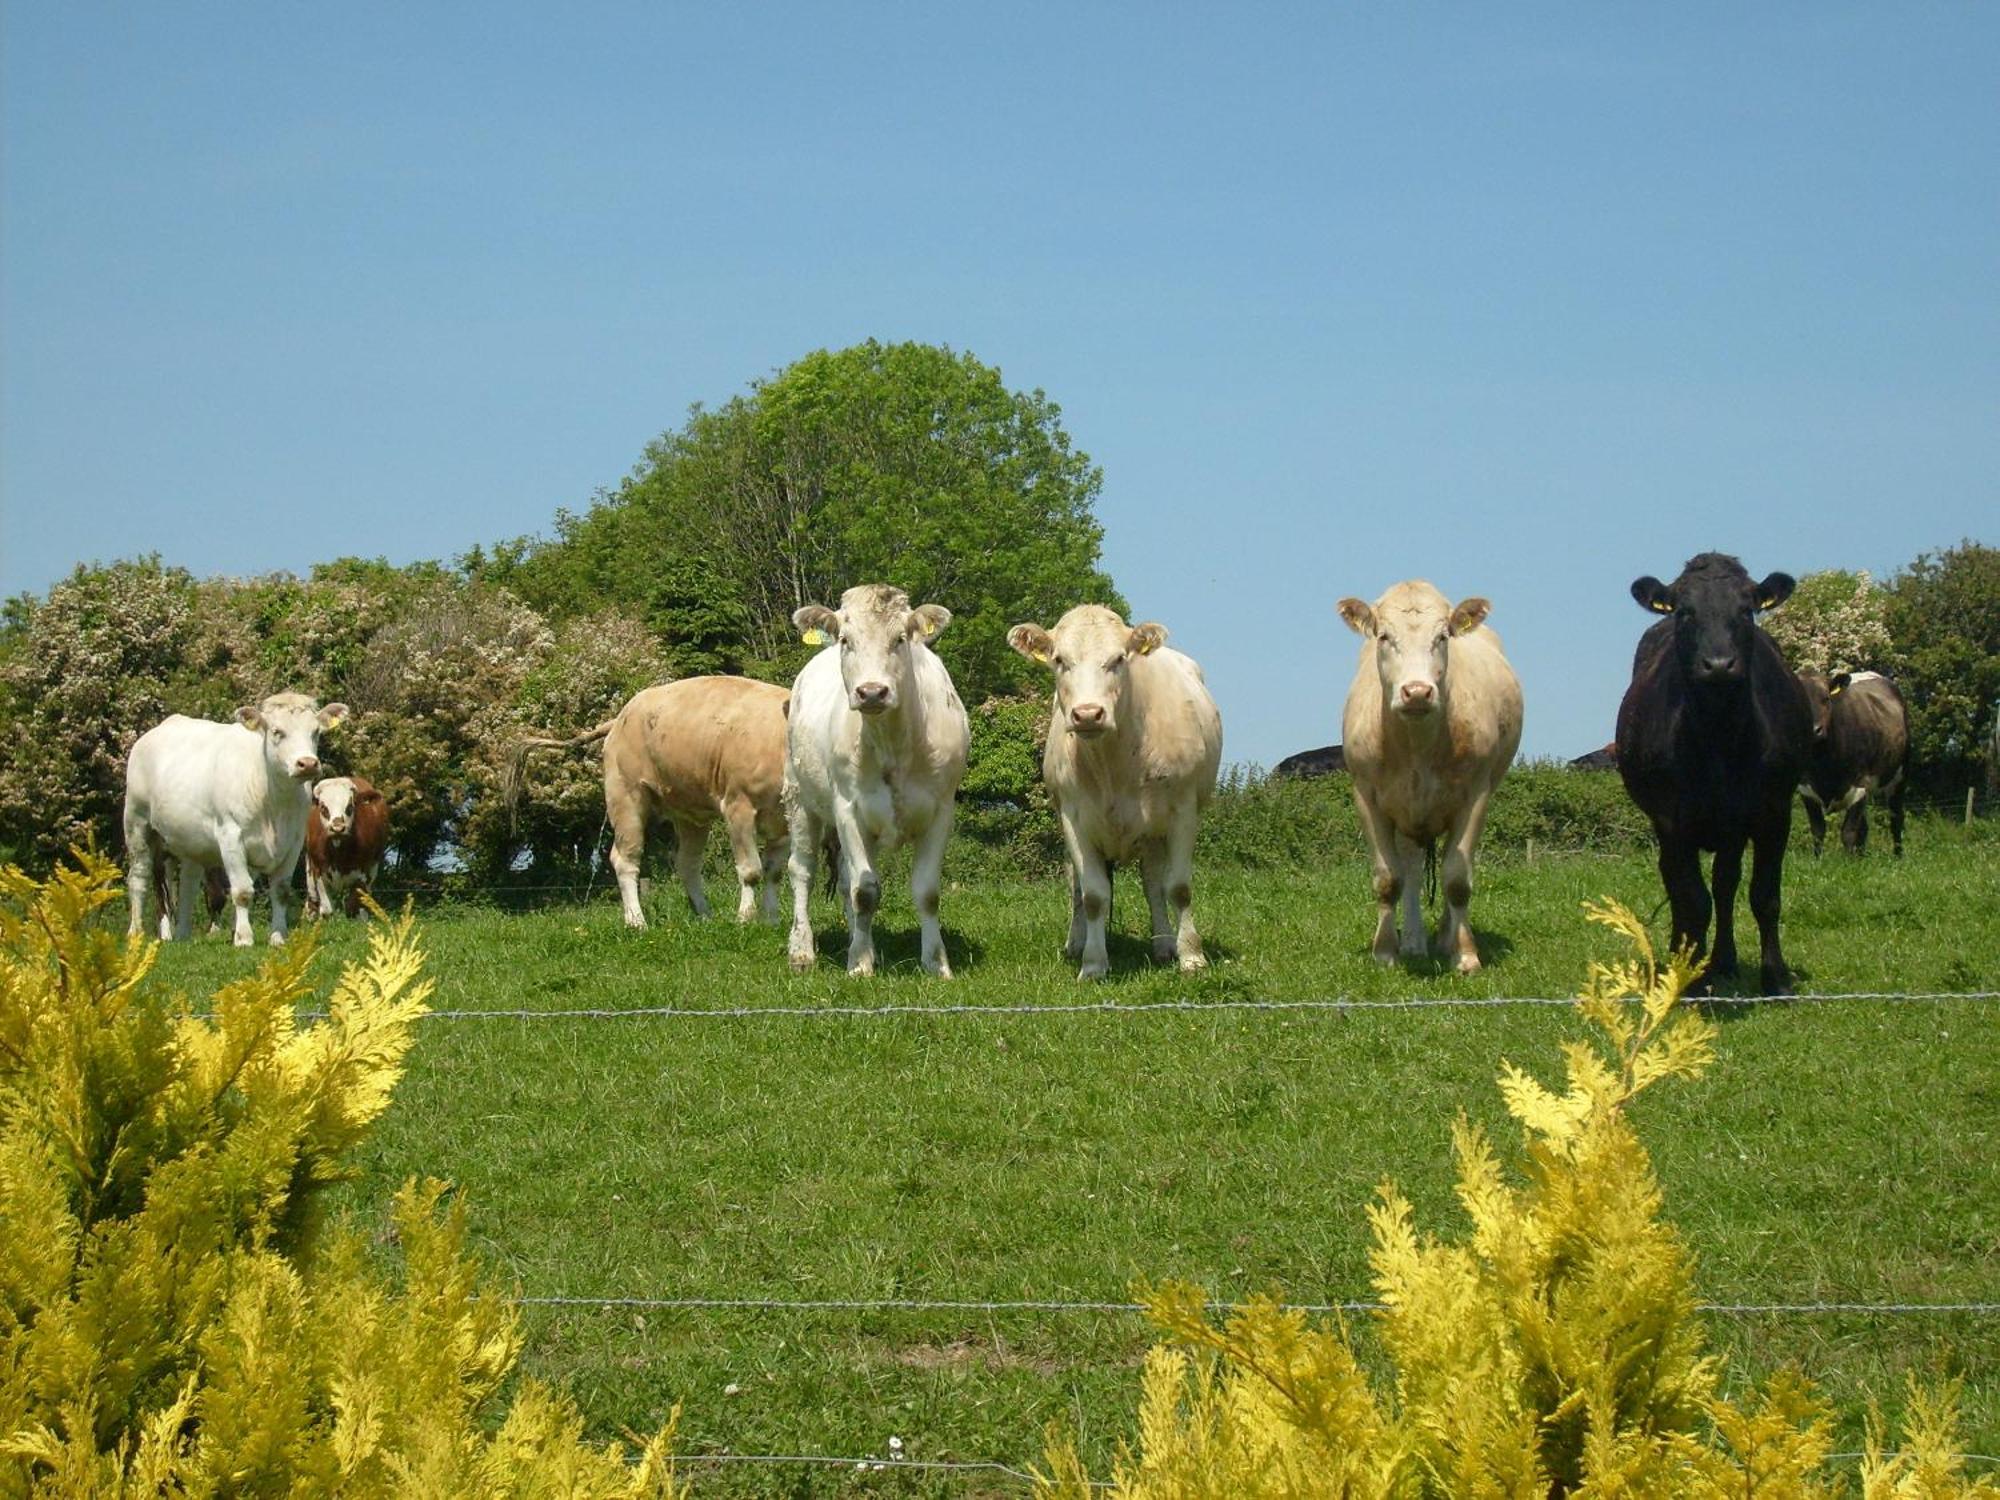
814	637
1661	607
1836	690
1040	656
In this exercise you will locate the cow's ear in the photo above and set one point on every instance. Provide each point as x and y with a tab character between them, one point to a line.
332	714
1837	683
1652	594
926	620
1360	618
1775	590
1470	614
816	624
1032	642
1146	639
249	717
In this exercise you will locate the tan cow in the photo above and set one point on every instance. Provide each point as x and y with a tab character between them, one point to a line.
692	752
1131	759
1432	722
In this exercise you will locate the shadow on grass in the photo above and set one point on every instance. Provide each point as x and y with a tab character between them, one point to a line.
898	949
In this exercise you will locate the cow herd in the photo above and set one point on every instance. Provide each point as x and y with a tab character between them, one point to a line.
865	752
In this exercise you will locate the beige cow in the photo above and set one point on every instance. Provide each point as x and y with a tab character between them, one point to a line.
692	752
1131	759
1433	720
878	738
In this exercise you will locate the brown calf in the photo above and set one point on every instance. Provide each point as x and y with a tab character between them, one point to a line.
347	832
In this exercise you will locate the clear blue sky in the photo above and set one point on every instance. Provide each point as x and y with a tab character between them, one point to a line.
1527	300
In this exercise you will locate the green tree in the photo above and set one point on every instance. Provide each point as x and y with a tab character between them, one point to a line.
1944	617
901	463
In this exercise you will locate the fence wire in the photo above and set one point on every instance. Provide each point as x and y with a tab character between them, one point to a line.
1337	1005
925	1305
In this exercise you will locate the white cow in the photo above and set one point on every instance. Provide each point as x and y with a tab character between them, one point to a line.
1130	762
875	749
1432	722
233	795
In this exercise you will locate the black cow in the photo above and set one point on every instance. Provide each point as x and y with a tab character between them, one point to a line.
1861	747
1310	763
1712	738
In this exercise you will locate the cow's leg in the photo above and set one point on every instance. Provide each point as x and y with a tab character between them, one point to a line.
140	853
1727	875
1153	876
808	833
777	853
628	847
241	886
1767	866
1180	887
188	879
1896	817
690	844
739	821
1093	885
1854	827
1412	857
1388	874
1687	895
926	880
1815	820
281	887
1079	929
863	888
1455	932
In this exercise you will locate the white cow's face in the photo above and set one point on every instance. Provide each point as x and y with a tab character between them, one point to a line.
1090	652
878	635
290	724
335	799
1412	626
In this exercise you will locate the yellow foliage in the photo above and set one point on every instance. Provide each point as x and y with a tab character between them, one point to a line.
173	1317
1553	1350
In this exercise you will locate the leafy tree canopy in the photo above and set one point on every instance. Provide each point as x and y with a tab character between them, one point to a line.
901	463
1944	615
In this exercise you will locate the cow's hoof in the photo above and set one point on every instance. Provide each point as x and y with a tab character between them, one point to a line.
942	971
241	942
1778	982
1093	971
1469	964
1386	957
1190	962
277	940
862	970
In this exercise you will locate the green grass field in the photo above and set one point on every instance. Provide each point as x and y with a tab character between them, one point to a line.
1839	1152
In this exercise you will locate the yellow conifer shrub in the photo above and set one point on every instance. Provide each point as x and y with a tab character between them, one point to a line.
175	1317
1554	1350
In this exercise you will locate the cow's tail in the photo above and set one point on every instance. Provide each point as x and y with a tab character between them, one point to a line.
1431	874
514	776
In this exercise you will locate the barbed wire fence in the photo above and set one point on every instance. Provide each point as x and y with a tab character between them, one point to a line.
564	1303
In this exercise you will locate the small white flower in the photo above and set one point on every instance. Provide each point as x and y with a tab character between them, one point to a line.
895	1447
732	1389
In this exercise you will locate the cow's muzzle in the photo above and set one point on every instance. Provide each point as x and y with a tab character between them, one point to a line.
336	826
871	697
305	768
1415	699
1087	720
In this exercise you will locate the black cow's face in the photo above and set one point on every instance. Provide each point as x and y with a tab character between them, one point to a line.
1714	607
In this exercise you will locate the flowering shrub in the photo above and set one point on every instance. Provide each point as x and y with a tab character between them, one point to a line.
1835	621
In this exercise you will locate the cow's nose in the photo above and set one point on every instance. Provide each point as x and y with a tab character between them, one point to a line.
1718	666
871	695
1418	693
305	765
1087	716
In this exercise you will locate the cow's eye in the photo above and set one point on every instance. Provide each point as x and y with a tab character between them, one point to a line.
898	644
1114	664
1060	665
